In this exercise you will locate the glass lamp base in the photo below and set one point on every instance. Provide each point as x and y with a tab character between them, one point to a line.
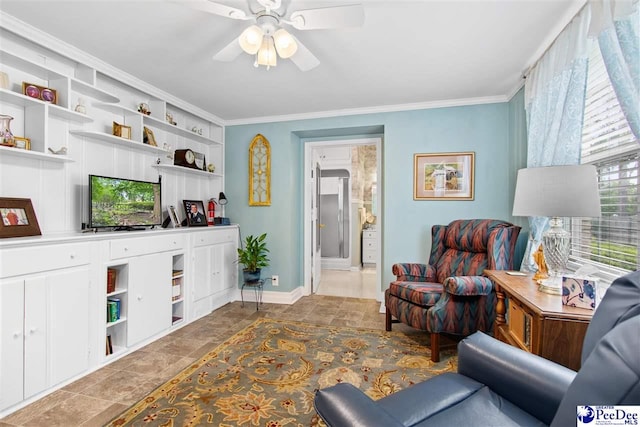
552	285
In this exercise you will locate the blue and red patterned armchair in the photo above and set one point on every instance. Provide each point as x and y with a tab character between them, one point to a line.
450	295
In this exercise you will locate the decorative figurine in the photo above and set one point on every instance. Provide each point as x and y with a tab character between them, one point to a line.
211	167
62	151
144	108
80	108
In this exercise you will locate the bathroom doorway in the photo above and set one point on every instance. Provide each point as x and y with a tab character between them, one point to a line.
345	173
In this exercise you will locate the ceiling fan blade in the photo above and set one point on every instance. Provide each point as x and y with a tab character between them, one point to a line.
328	18
218	9
303	58
229	52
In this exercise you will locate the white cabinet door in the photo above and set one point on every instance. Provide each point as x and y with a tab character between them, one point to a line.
216	258
149	310
68	323
230	265
202	272
35	335
11	342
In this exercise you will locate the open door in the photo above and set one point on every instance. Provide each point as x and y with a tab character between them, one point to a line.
316	247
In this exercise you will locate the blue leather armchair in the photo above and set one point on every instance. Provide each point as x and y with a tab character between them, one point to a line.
500	385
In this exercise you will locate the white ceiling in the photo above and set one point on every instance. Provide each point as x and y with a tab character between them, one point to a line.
407	54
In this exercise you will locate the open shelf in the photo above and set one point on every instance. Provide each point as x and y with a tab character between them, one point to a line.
182	169
9	151
111	139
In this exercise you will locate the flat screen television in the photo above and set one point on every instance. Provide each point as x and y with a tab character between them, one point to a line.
124	204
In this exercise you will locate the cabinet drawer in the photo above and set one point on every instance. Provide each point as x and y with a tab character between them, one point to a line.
369	257
369	244
369	235
43	258
145	245
213	237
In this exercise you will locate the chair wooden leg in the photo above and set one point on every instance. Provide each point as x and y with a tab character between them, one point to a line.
387	323
435	347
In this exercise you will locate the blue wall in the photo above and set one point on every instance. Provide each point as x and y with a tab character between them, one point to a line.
493	131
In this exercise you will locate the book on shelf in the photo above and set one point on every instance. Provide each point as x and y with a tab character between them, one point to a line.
176	292
111	280
176	273
109	349
113	309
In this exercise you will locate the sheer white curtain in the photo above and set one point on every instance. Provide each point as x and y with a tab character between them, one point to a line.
616	24
554	100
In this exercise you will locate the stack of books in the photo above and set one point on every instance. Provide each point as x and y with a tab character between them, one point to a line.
113	309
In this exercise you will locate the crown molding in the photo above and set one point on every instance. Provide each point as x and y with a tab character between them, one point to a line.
64	49
370	110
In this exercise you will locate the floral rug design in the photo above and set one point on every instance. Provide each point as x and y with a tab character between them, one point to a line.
266	375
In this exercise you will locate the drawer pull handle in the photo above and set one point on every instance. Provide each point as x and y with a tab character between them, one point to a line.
139	297
33	330
72	256
16	334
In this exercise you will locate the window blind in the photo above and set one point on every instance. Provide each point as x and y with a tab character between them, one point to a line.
608	143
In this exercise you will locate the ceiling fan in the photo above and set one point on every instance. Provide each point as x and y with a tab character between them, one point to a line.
267	39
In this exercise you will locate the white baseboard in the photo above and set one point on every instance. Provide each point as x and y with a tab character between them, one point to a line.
383	308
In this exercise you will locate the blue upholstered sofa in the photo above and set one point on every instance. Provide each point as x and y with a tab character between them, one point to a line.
500	385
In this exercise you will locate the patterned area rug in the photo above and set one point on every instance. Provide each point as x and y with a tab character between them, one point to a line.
266	375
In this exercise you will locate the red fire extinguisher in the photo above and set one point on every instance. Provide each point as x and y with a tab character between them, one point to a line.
211	211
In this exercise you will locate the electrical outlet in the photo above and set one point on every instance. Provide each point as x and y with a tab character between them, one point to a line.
275	281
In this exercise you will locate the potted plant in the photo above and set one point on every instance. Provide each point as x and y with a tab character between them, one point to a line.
253	256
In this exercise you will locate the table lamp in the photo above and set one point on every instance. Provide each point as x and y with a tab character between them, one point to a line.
222	220
557	192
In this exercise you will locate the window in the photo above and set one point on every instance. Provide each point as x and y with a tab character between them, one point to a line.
611	242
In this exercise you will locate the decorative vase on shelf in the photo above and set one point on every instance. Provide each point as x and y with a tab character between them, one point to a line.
6	137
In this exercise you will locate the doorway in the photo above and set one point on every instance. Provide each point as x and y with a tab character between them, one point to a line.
344	172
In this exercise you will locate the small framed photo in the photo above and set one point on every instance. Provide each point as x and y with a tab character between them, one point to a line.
121	130
194	210
443	176
22	143
17	218
148	137
40	92
174	217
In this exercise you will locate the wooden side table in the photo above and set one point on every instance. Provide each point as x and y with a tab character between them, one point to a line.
537	322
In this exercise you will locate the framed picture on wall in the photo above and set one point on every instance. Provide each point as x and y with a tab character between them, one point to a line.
443	176
17	218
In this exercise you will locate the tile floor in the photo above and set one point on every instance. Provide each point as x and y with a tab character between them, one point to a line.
354	284
100	396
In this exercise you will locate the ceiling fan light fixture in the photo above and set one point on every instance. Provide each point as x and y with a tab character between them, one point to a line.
285	43
251	39
267	53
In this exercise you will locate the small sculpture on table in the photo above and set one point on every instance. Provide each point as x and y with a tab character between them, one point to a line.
543	272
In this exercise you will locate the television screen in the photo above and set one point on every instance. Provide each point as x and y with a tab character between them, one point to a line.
123	203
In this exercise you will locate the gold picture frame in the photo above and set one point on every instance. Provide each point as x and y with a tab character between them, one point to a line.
443	176
259	172
148	137
42	93
22	143
17	218
121	130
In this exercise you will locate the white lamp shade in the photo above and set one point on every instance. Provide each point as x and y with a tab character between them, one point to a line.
251	39
557	191
285	43
267	53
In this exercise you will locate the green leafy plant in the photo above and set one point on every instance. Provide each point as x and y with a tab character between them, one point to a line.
254	254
